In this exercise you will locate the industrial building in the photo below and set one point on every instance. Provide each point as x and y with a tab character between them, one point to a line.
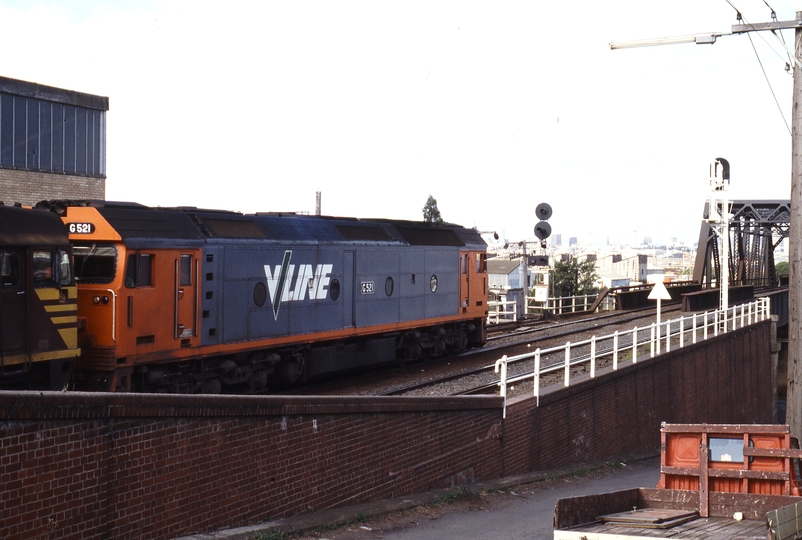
52	143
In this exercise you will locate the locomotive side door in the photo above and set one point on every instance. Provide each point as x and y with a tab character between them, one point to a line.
465	280
187	272
12	302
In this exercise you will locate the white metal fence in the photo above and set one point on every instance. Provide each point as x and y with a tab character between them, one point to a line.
567	304
628	345
498	311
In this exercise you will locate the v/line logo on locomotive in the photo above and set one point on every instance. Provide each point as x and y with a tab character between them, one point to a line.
312	281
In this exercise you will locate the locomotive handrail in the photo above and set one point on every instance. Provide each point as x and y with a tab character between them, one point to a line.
698	325
113	314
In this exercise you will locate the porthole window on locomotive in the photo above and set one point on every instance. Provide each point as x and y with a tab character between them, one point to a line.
259	294
388	286
433	283
334	289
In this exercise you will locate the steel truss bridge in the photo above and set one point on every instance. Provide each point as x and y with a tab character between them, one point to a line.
756	228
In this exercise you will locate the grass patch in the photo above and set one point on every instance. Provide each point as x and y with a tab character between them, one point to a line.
449	497
275	535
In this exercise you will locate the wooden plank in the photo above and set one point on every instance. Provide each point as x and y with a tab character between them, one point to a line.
646	515
755	475
721	429
773	452
784	523
680	471
573	511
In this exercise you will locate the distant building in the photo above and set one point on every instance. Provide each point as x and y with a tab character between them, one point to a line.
634	268
572	241
52	143
507	273
647	241
558	239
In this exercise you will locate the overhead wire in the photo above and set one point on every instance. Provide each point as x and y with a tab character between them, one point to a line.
740	17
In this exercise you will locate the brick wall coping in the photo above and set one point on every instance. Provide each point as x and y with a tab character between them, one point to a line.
85	405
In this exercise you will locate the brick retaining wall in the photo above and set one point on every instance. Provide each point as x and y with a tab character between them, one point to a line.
726	379
145	466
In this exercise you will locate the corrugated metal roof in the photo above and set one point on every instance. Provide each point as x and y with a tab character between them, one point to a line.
504	267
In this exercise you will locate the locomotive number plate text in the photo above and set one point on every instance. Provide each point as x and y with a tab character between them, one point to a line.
81	228
368	287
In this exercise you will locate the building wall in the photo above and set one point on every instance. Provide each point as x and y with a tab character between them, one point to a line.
158	466
28	188
52	143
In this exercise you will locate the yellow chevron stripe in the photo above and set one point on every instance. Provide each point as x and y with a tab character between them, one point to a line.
41	357
47	294
62	307
64	320
52	293
70	337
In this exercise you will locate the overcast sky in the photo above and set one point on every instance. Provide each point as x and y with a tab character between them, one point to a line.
491	107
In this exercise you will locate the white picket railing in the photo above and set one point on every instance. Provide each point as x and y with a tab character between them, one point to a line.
498	312
695	327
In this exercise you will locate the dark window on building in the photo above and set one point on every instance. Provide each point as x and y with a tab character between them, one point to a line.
6	130
58	137
46	136
32	135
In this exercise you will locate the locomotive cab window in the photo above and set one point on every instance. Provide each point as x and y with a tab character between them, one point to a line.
139	270
95	263
64	269
43	266
10	269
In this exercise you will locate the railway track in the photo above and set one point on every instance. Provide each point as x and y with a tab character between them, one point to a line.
472	369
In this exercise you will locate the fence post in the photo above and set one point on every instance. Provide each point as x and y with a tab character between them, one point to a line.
682	331
668	335
615	350
635	345
537	377
502	382
567	362
694	327
651	341
593	357
705	326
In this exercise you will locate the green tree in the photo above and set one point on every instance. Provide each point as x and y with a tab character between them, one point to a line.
574	278
430	212
781	268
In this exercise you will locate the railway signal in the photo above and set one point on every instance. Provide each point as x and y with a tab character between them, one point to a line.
543	229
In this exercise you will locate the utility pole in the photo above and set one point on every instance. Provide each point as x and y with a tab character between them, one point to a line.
793	403
793	414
